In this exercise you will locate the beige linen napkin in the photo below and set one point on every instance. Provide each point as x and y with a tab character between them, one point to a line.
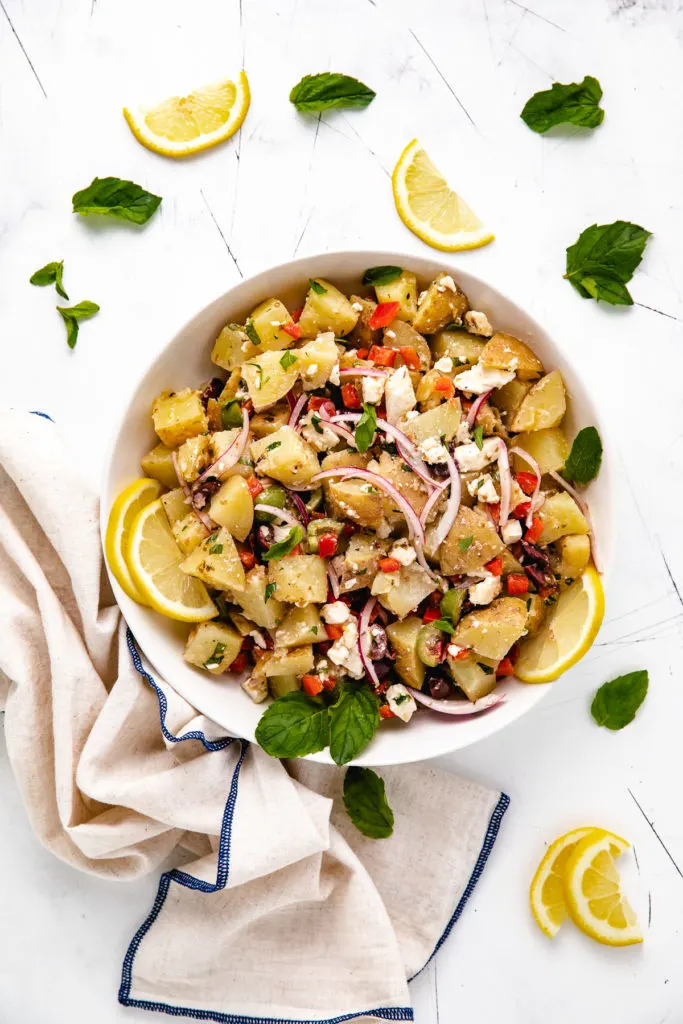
277	909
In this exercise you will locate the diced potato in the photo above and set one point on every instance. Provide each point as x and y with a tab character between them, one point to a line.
489	419
241	623
233	507
216	562
286	457
463	348
232	386
300	626
189	532
406	482
265	423
335	460
266	380
232	347
544	405
441	422
315	361
256	688
295	661
503	352
357	500
510	563
403	290
399	334
178	415
158	464
471	542
193	456
492	631
175	506
362	555
440	306
409	587
362	335
509	398
535	613
403	639
550	449
252	600
280	685
426	393
267	320
300	579
575	552
561	515
326	310
476	676
213	646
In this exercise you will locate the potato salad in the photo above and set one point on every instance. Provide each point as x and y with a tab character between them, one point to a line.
370	491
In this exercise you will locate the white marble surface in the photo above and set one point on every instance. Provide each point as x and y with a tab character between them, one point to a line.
455	73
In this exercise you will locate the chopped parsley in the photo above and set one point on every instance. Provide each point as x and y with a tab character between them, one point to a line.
275	444
288	360
315	422
252	333
478	437
316	287
270	590
464	543
216	657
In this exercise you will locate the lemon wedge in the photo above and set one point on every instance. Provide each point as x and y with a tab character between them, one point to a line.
546	895
183	125
568	633
123	513
154	559
433	211
595	901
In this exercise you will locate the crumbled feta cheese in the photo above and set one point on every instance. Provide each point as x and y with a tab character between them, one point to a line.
323	438
445	365
477	323
484	489
384	529
470	458
357	307
484	592
400	397
390	334
334	375
511	532
373	389
412	415
344	651
335	613
257	690
349	584
447	282
433	451
462	435
312	370
453	650
401	702
421	296
482	378
403	552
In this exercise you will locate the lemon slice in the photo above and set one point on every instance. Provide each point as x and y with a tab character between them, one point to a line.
430	208
568	633
154	561
124	511
595	901
183	125
546	895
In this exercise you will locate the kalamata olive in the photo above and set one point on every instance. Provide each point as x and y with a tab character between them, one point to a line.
439	689
212	390
535	554
205	492
266	536
537	575
383	668
378	642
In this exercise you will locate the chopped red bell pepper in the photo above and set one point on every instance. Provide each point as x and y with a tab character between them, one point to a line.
505	668
247	643
381	356
329	682
410	357
535	530
527	482
361	353
255	486
312	685
495	566
521	511
318	402
445	385
349	529
517	583
327	544
386	712
293	330
350	397
247	558
494	510
296	314
389	564
462	654
240	663
334	632
431	615
546	592
296	550
435	598
383	314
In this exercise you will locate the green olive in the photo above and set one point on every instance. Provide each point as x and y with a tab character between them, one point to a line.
429	645
271	495
315	500
231	415
451	604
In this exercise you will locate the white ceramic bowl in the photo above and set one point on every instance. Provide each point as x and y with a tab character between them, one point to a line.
185	361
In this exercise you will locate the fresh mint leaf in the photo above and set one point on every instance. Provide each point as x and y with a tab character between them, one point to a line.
444	626
293	726
366	803
71	316
381	275
576	103
316	287
330	90
478	437
464	543
616	702
270	590
287	360
366	428
603	260
51	273
215	659
283	547
252	333
584	459
353	720
115	197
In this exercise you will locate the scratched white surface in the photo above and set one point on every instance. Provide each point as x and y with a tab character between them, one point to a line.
456	73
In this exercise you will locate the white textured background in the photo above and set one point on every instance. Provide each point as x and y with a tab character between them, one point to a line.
456	73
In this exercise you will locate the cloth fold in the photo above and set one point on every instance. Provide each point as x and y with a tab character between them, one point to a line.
276	908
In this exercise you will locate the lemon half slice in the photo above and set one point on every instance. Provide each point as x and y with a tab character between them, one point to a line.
183	125
568	633
123	513
430	208
154	561
546	895
594	898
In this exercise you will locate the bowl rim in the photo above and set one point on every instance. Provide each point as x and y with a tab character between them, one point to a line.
371	257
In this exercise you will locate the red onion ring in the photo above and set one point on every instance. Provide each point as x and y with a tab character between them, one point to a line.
535	503
364	639
475	407
414	525
334	580
407	450
505	482
451	511
201	516
297	410
301	508
227	459
363	371
279	513
431	501
457	707
584	508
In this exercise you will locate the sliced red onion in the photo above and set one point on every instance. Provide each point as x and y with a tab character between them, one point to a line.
414	525
406	448
505	482
341	432
297	410
334	580
279	513
457	707
431	502
301	508
475	407
535	502
227	459
364	640
584	508
363	371
201	516
451	511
